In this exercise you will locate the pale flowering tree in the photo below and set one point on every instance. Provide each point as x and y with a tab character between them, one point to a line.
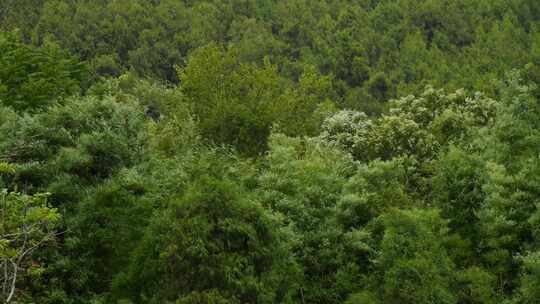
415	126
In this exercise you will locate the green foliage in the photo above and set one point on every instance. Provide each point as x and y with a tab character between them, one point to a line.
529	292
27	225
108	224
414	126
413	262
237	103
268	151
87	138
32	78
476	285
458	190
303	183
362	298
374	190
214	236
231	100
375	49
211	297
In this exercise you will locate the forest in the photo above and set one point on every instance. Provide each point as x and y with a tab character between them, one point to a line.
270	151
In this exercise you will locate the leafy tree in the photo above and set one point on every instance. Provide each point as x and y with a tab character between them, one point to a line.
237	103
529	285
413	263
303	182
458	191
213	243
32	78
231	100
268	151
373	191
476	285
27	225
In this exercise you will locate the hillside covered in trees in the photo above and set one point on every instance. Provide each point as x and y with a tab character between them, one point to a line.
270	151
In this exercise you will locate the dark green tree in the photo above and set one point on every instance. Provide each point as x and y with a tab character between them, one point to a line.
31	78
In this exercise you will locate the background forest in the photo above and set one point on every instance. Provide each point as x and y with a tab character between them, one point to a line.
265	151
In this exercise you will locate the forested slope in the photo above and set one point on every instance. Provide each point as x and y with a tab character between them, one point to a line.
259	151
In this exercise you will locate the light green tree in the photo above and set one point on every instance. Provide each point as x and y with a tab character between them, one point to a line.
27	223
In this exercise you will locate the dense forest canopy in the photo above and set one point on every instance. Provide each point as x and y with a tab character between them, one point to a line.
264	151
